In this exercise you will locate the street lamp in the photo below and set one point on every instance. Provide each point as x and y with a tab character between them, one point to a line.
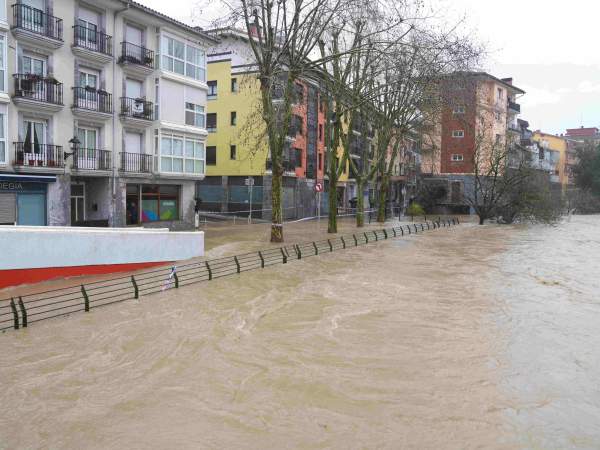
74	141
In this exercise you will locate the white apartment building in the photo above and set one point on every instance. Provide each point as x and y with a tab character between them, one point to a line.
102	114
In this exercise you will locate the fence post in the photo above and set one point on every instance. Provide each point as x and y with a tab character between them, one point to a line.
330	245
209	270
86	299
394	231
458	220
262	260
15	315
408	228
402	230
135	287
298	251
237	264
376	237
284	256
428	226
366	238
416	229
422	227
23	312
343	241
355	240
316	248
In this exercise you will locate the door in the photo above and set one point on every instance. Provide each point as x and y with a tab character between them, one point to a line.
133	160
87	156
31	209
77	203
34	18
87	30
87	95
134	91
31	83
8	208
34	151
134	51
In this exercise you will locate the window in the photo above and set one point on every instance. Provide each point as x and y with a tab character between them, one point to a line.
212	90
183	59
298	157
458	109
234	85
299	93
2	139
77	203
211	122
320	161
500	94
321	132
233	119
2	62
458	134
160	203
211	156
194	115
29	64
498	117
181	155
232	152
86	155
457	157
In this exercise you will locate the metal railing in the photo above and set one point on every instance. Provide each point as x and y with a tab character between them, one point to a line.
31	154
287	165
92	39
135	54
137	108
92	99
37	21
25	310
91	159
38	88
514	106
136	162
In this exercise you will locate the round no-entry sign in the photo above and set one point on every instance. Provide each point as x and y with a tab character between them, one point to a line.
319	187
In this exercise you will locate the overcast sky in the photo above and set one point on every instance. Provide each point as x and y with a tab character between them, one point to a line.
549	47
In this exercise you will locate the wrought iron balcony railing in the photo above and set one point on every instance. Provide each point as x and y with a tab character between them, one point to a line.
134	54
38	88
91	159
32	154
136	162
92	39
37	21
137	108
92	99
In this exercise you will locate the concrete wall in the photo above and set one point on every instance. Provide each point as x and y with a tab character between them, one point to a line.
40	247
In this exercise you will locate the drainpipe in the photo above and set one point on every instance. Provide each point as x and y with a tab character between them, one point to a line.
114	128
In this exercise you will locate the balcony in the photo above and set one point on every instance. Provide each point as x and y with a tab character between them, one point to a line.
40	156
92	103
288	165
92	45
36	27
136	60
38	93
136	163
137	112
91	159
514	107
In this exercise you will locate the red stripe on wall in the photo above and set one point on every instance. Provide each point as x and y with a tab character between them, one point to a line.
17	277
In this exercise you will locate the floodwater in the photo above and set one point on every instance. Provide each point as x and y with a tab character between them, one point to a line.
469	337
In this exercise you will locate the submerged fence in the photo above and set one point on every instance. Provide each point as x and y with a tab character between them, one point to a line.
27	309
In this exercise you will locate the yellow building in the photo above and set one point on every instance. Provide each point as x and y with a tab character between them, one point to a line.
559	144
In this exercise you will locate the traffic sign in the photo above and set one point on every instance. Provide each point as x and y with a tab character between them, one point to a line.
249	181
319	187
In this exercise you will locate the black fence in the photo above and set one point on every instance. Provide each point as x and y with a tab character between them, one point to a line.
92	39
38	88
32	154
135	54
137	108
37	21
92	159
25	310
136	162
92	99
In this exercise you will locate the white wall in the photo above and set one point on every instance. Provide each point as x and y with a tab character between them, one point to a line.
38	247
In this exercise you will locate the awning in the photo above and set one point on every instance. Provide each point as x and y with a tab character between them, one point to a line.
28	178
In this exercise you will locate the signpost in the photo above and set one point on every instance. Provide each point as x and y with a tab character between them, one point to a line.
318	190
250	183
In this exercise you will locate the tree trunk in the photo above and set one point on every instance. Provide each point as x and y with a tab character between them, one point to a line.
382	202
481	220
276	216
332	217
360	204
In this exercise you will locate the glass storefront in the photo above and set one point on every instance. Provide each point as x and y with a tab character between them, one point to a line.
158	203
23	202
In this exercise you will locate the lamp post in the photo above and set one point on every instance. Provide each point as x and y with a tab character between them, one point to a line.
74	141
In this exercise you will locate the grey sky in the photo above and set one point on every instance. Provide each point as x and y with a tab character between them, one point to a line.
547	46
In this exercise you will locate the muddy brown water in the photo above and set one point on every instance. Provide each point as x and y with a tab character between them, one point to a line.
473	337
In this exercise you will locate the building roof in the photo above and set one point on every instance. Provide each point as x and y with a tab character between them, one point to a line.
582	132
505	82
195	30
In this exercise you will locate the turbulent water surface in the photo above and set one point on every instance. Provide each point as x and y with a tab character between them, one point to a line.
473	337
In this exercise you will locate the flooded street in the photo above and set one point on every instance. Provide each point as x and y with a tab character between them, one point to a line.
469	337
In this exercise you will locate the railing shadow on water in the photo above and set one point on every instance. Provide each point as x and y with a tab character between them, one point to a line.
22	311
